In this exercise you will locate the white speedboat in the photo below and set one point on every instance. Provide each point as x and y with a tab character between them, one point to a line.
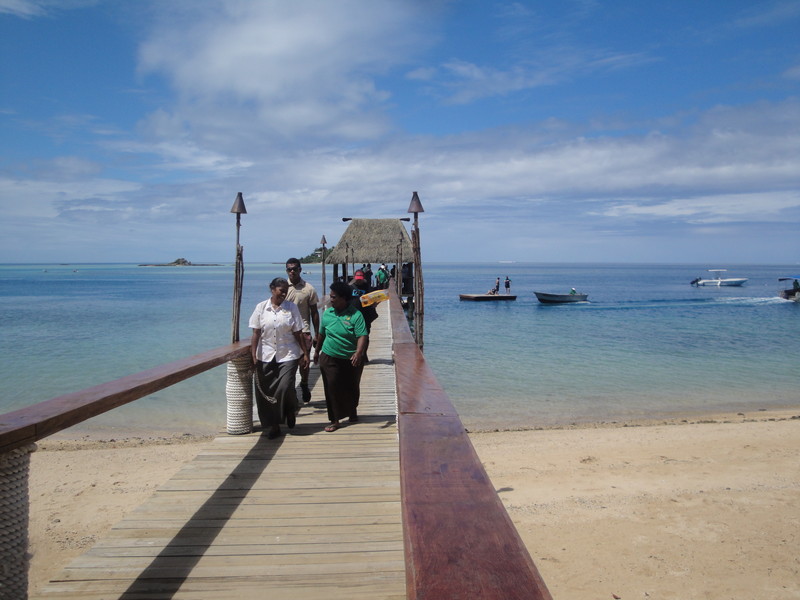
718	280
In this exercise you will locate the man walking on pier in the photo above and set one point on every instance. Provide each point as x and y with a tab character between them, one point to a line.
305	297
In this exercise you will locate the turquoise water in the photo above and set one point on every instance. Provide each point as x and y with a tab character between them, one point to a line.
646	344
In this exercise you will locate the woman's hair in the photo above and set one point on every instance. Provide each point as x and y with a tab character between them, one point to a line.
278	282
342	289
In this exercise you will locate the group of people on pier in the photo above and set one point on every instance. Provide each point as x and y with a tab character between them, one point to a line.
382	275
282	342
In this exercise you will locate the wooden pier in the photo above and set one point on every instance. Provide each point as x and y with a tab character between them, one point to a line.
395	506
310	515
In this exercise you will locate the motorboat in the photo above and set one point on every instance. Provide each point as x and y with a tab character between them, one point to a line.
718	280
792	293
486	297
573	296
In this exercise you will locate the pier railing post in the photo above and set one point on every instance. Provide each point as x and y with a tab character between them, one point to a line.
14	507
239	393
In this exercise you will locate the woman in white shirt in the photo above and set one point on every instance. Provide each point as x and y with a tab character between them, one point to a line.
278	348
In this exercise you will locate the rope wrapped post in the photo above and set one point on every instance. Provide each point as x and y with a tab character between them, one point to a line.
14	470
239	393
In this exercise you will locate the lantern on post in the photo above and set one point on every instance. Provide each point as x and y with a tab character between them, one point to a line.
239	209
415	207
322	242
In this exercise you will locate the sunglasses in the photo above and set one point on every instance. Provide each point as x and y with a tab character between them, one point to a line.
290	269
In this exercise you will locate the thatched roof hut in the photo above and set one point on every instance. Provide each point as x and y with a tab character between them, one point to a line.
372	241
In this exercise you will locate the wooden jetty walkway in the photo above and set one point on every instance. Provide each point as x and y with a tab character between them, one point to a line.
310	515
395	506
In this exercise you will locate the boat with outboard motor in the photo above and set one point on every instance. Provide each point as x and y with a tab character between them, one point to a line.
792	293
573	296
718	280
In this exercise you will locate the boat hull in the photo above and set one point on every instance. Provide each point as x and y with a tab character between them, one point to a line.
486	297
733	282
791	294
546	298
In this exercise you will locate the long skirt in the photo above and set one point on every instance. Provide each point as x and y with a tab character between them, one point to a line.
275	393
342	383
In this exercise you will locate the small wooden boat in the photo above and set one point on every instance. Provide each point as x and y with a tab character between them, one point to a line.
486	297
546	298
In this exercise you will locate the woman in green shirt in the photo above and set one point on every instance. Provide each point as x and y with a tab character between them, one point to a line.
341	344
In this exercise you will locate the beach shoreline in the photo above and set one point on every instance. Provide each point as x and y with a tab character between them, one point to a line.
701	506
666	419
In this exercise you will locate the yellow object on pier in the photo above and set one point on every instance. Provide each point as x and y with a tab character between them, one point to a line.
373	297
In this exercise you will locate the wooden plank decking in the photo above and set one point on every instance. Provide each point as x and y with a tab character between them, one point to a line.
311	515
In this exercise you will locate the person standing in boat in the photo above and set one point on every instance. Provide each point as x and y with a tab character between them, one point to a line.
305	297
341	344
278	348
497	286
508	286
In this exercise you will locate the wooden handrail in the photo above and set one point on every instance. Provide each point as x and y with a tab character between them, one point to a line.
33	423
459	540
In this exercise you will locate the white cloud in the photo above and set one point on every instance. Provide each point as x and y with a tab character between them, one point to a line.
466	82
28	9
767	14
41	198
792	73
728	164
22	8
285	68
184	156
723	208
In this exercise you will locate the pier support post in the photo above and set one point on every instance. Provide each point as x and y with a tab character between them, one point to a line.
239	393
14	507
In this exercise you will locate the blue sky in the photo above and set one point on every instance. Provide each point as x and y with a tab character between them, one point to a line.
569	131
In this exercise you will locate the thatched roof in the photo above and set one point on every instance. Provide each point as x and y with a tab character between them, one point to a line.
371	241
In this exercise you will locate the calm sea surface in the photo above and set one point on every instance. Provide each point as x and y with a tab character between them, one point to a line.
646	344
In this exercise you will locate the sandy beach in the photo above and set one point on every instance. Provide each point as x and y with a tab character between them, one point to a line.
687	508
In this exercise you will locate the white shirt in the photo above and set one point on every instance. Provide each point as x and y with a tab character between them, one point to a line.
277	326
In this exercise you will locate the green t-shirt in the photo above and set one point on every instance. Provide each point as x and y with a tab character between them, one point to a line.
341	331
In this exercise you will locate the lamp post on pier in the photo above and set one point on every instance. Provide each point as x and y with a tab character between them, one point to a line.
419	291
239	209
322	242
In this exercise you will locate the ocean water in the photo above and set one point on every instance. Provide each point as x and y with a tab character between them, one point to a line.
647	344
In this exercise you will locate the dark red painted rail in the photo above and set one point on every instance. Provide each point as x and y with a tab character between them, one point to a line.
35	422
459	540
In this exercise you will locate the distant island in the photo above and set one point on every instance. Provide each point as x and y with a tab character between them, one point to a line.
182	262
